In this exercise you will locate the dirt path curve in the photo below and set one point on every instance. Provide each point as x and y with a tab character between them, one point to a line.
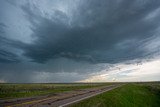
59	100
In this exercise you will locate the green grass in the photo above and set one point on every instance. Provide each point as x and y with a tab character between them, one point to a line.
130	95
8	91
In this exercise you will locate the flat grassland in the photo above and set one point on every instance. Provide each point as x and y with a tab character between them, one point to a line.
129	95
10	91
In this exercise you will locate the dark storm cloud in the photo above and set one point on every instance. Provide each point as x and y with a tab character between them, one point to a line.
98	31
8	47
57	70
48	41
5	55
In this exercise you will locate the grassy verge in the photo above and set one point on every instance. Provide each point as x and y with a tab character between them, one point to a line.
131	95
8	91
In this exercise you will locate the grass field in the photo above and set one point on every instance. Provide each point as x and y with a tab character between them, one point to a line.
130	95
8	91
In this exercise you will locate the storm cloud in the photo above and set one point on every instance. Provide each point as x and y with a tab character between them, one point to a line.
76	36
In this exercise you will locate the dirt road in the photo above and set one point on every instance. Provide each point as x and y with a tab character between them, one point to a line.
59	100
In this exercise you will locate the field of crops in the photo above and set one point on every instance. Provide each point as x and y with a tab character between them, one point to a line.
130	95
8	91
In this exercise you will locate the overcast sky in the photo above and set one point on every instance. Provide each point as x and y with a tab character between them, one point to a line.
79	40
